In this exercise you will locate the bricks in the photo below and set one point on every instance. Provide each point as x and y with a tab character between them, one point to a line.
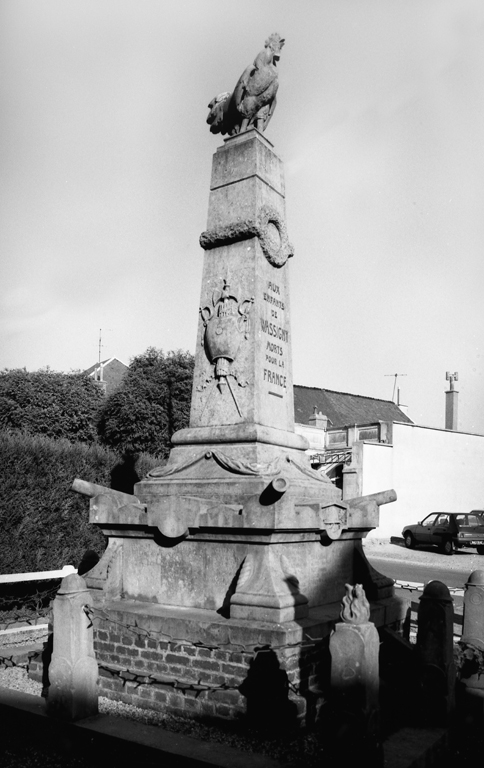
150	655
231	698
107	647
146	693
234	670
130	652
191	705
206	665
222	655
150	652
109	673
204	653
160	696
175	658
224	711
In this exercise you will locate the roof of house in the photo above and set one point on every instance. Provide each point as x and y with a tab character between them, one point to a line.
342	408
95	367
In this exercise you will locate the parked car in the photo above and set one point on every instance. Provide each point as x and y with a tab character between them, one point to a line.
448	531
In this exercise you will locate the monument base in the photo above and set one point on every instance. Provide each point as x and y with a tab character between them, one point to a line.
195	663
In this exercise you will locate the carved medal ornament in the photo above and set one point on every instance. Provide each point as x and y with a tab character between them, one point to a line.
227	324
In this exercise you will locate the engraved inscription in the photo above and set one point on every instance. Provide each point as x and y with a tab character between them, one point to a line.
275	358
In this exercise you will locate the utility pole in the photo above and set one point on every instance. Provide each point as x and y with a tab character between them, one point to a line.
100	373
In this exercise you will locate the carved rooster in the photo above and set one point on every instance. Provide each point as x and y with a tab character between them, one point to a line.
253	100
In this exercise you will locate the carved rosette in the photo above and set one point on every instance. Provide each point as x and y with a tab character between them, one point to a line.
269	227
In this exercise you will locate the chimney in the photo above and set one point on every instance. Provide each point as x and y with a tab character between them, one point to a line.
318	419
451	401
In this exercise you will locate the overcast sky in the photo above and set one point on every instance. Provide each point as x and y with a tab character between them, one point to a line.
105	169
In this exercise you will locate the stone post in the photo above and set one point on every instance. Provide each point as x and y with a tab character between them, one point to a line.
473	629
354	647
435	646
73	671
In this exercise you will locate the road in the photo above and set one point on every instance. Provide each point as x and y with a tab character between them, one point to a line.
408	571
425	564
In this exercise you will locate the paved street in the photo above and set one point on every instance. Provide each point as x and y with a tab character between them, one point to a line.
423	564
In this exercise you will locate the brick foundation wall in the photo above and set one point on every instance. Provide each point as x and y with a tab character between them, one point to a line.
124	660
173	676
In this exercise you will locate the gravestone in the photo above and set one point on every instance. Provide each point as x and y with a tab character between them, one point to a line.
236	544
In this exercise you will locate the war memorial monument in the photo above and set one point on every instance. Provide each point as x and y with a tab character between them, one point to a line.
224	572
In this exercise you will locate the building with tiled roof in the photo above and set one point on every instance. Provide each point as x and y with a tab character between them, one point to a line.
365	445
342	409
108	373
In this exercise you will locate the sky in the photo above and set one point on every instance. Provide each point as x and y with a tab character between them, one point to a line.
105	159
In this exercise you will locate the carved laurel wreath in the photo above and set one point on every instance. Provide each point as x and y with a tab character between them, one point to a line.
277	250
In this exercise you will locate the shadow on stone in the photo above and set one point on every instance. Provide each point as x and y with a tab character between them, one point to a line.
224	609
90	558
124	475
266	689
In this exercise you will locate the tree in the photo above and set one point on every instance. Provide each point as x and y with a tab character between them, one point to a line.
152	403
57	405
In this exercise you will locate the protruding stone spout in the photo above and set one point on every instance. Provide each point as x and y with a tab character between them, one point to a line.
274	491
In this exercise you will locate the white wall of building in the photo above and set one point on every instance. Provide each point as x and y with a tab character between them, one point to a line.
430	469
315	436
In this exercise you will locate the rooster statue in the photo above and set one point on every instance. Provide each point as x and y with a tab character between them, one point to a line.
252	103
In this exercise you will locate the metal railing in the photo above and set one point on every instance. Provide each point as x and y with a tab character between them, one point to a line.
14	578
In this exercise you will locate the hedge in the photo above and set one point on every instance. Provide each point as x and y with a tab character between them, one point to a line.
44	524
49	403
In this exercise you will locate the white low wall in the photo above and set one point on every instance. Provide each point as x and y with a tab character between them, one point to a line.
430	469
